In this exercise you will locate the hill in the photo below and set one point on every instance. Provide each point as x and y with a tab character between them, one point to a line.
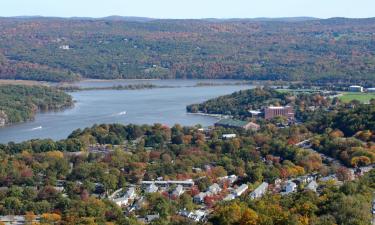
294	49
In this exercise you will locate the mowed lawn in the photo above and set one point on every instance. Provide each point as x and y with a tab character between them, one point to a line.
362	97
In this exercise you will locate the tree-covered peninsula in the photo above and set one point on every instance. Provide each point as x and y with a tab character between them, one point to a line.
20	103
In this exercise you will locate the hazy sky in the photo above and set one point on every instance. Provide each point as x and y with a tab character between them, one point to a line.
190	8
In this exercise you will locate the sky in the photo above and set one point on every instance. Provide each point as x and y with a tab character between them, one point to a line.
182	9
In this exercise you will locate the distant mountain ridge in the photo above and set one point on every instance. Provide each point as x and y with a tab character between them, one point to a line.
293	49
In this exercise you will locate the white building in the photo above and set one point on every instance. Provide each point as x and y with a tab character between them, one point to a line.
259	191
214	189
312	186
229	136
151	188
290	187
356	88
199	198
64	47
197	215
229	197
240	190
124	200
178	191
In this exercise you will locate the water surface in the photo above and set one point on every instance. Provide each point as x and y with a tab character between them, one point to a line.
146	106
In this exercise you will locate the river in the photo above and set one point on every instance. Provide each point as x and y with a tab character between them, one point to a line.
144	106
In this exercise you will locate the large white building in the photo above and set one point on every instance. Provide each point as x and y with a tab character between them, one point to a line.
356	88
259	191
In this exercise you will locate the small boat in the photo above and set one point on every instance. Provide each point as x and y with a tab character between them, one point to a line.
37	128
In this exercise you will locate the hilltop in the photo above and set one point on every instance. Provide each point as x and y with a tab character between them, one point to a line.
292	49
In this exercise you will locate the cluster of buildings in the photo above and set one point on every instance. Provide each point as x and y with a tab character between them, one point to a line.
267	113
125	199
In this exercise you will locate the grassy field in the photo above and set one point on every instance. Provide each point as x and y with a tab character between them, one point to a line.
362	97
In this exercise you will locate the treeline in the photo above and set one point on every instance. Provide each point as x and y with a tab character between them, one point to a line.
19	103
324	51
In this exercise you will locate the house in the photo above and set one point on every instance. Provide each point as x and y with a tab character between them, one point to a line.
312	186
199	198
178	191
278	111
229	197
149	218
231	179
240	190
356	88
229	136
17	220
131	193
151	188
214	189
125	199
230	123
290	187
166	183
197	215
259	191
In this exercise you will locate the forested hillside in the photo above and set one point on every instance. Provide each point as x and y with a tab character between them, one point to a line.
20	103
300	50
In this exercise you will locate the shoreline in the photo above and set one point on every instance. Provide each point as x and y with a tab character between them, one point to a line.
218	116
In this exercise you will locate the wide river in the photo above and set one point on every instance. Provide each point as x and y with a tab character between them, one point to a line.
146	106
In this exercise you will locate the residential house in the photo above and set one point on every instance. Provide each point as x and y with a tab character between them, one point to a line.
151	188
259	191
229	136
229	197
240	190
214	189
312	186
199	198
178	191
290	187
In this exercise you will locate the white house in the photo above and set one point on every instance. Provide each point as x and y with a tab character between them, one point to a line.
214	189
229	197
178	191
312	186
229	136
290	187
356	88
240	190
151	188
259	191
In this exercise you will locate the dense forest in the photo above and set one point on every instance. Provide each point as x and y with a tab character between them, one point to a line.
54	49
19	103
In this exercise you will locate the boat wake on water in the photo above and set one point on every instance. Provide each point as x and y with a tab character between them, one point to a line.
36	128
123	113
